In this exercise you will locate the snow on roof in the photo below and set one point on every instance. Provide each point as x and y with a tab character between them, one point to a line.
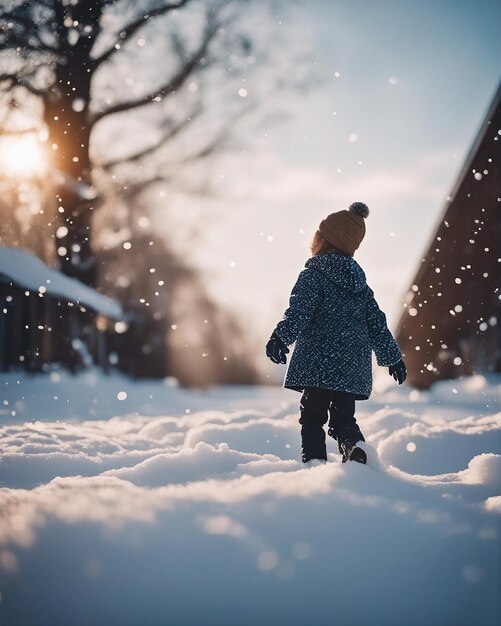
28	271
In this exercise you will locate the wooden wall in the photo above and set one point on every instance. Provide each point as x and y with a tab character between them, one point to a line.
451	323
37	330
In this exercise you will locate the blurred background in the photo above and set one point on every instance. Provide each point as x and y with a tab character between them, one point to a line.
164	165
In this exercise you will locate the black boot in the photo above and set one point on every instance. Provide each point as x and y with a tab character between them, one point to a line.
352	453
349	450
347	443
344	429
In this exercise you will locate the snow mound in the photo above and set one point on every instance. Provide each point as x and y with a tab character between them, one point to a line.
191	464
484	469
194	507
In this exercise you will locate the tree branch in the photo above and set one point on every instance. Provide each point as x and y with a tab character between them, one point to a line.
17	10
18	81
43	45
132	191
21	16
25	131
133	27
12	39
48	4
20	19
166	136
219	141
171	86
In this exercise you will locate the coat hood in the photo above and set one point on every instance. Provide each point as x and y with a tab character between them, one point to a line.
342	270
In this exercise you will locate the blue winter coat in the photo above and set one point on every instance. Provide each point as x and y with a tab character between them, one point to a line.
336	323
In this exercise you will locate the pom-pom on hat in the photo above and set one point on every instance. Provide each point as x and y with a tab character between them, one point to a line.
345	229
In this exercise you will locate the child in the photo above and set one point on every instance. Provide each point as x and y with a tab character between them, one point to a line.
336	323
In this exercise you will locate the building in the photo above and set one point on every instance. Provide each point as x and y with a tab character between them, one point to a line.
451	324
49	318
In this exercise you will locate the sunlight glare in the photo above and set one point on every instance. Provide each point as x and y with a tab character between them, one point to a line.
22	156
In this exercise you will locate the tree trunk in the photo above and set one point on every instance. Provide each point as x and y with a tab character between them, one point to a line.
71	190
67	119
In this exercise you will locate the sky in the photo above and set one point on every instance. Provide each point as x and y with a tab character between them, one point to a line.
405	88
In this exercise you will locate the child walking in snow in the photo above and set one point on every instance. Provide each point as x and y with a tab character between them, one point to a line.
336	323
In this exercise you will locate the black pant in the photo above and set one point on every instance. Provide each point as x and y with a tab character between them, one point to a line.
316	406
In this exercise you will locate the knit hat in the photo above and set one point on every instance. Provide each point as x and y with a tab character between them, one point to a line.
345	229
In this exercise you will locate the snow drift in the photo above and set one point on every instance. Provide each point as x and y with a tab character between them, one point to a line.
176	507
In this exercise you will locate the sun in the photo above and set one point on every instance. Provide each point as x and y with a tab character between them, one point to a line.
22	156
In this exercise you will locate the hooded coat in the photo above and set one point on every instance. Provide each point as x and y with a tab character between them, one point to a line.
336	323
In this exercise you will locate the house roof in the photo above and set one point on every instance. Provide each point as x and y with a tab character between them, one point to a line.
451	324
465	171
28	271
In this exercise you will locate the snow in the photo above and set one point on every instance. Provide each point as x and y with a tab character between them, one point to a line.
82	190
25	269
190	507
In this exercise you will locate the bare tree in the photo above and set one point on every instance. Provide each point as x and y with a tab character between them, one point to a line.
79	59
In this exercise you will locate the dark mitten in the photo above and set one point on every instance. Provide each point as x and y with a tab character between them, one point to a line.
398	371
276	349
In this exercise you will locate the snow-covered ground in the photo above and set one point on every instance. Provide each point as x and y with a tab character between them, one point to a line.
139	503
